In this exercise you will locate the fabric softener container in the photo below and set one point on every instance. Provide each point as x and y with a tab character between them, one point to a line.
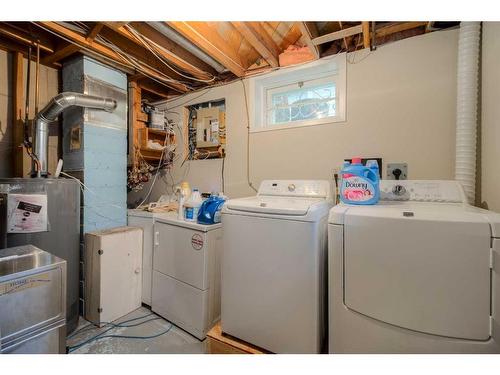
360	184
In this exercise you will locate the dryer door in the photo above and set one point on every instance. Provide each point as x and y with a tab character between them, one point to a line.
427	272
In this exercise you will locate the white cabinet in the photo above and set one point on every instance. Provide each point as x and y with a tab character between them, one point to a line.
144	220
113	263
186	273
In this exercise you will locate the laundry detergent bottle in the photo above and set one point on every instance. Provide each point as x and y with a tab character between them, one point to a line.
360	184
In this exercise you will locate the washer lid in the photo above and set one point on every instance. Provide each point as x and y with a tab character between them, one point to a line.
273	205
454	212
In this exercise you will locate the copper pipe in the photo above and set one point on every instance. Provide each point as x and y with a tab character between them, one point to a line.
37	76
27	105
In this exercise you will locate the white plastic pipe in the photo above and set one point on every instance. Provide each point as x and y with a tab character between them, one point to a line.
467	99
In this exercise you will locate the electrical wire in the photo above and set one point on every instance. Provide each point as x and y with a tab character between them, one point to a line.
93	326
248	137
156	174
102	335
144	41
204	92
126	59
85	187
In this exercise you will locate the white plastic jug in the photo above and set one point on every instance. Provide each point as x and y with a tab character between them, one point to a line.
192	206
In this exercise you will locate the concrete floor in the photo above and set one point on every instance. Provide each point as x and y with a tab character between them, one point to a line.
175	341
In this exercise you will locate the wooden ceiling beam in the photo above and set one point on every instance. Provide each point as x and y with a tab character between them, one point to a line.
259	39
24	38
94	31
60	54
398	27
336	35
154	88
309	32
178	55
209	40
101	50
189	63
140	53
366	34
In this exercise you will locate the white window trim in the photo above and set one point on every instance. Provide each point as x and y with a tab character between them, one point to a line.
332	66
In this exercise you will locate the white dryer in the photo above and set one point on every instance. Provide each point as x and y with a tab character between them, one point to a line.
274	266
416	273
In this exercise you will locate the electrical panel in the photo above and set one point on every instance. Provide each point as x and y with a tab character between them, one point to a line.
208	127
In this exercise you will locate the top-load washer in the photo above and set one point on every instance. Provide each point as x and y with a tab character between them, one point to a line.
274	266
416	273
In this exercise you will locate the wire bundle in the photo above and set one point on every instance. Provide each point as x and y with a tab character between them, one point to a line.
102	335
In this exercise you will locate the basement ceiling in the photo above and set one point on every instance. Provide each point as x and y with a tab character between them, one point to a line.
175	57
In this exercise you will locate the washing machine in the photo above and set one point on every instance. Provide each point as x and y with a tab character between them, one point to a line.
274	266
416	273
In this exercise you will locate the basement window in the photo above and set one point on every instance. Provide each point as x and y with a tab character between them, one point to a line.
301	102
312	94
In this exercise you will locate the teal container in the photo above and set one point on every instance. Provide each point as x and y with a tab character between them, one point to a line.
359	183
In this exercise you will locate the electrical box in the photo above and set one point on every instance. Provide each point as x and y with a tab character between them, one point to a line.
208	127
397	171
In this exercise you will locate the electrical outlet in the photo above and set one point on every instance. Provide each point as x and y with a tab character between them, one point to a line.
395	169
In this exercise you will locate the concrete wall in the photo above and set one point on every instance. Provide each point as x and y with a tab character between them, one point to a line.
400	106
48	88
490	116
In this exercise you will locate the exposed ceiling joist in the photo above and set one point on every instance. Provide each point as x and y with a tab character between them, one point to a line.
309	32
154	88
336	35
102	50
60	54
139	53
25	38
206	38
94	31
366	34
398	27
259	39
166	50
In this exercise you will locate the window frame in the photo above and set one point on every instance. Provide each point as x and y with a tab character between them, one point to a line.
330	69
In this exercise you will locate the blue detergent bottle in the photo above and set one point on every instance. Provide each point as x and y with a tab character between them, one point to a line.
360	184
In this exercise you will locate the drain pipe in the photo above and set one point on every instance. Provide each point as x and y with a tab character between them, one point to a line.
467	103
50	113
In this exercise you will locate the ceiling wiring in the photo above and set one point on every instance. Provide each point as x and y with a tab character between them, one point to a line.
127	60
148	43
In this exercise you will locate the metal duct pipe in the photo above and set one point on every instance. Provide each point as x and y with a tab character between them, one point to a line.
50	113
177	38
467	101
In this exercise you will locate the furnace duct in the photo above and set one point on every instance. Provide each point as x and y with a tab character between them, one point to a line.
50	113
467	102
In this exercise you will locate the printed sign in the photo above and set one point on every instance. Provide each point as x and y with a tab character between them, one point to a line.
197	241
27	213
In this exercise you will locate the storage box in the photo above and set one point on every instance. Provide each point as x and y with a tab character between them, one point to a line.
113	273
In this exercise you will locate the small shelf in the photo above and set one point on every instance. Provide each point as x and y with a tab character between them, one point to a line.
156	135
140	134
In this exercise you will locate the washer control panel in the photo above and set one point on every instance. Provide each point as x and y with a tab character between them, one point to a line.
422	191
296	188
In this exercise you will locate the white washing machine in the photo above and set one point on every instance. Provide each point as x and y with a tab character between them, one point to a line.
416	273
274	266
